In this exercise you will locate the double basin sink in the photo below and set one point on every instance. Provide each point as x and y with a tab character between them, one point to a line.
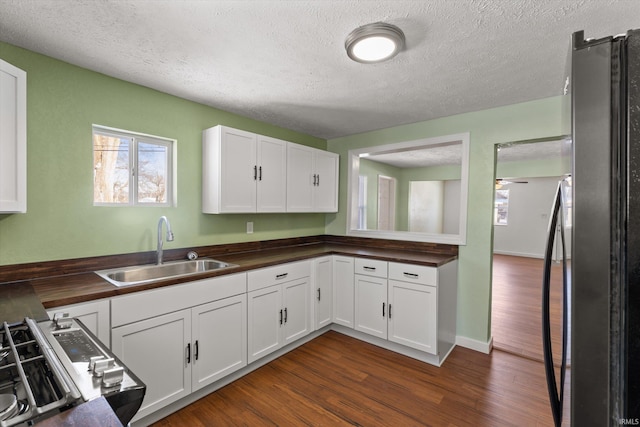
140	274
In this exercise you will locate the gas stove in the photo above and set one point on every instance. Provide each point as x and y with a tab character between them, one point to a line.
49	366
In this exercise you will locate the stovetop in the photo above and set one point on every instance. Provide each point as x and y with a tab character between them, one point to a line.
32	380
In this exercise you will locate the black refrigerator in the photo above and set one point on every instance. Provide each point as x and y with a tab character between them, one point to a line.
602	276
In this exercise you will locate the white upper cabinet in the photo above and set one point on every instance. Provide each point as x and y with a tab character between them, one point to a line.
13	139
312	179
272	175
242	172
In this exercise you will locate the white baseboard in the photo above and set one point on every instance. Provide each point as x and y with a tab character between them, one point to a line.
522	254
482	347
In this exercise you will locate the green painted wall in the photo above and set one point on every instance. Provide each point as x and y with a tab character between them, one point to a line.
520	122
61	222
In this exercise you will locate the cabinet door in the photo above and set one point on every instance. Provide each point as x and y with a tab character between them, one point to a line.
299	178
322	294
238	172
343	291
156	351
272	175
413	315
295	303
326	188
13	138
219	339
94	315
264	312
371	305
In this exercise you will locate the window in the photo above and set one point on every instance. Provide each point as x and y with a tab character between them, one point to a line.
131	168
362	202
568	202
501	207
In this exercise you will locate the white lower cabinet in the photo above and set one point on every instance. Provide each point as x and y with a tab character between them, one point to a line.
176	345
323	291
277	315
278	307
219	336
343	290
413	316
404	309
156	350
95	315
371	305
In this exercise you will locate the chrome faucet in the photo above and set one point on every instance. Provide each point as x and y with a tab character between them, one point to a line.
169	237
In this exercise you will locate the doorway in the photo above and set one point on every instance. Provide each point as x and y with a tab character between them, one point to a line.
526	178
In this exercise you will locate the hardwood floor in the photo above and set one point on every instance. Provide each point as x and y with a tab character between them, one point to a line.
516	313
337	380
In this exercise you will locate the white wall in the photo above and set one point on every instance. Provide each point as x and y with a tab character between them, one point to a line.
529	210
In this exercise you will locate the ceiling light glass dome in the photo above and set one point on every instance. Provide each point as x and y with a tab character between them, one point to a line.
374	42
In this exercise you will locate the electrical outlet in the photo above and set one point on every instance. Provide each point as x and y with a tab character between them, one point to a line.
249	227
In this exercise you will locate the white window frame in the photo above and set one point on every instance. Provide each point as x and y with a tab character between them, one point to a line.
137	137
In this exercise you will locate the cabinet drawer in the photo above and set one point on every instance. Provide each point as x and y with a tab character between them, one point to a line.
265	277
413	273
371	267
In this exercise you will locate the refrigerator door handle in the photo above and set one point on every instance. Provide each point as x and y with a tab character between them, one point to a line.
556	397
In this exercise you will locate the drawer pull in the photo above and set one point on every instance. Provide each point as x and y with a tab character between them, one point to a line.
412	275
281	276
369	268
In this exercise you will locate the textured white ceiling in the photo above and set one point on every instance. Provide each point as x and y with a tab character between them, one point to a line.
283	62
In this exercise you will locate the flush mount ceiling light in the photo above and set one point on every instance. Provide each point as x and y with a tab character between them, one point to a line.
375	42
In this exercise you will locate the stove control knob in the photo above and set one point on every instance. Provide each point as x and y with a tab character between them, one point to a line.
93	360
113	377
62	320
102	365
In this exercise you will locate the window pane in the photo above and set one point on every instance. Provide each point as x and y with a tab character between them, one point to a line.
111	169
153	160
501	207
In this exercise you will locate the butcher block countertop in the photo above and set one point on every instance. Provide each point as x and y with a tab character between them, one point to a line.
59	283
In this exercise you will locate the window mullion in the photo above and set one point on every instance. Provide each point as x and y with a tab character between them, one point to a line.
133	181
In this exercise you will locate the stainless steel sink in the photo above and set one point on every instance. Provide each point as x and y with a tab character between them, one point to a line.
139	274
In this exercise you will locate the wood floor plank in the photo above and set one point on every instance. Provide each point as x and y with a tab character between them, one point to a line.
336	380
516	312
